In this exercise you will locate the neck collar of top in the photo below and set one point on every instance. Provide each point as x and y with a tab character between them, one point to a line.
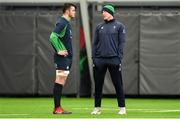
109	20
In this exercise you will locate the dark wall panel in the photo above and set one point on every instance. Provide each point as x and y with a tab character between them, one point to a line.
16	53
159	54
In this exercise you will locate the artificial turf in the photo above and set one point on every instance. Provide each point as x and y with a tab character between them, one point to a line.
82	107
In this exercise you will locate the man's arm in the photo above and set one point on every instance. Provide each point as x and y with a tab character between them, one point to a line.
56	42
55	36
95	42
122	35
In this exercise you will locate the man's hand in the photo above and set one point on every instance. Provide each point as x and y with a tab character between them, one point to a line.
63	53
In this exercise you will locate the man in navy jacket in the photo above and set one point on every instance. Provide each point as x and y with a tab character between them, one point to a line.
107	53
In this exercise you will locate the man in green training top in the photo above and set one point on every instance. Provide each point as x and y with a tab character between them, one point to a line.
61	40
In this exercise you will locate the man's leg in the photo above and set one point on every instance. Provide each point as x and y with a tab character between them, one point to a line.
99	73
61	77
58	86
116	76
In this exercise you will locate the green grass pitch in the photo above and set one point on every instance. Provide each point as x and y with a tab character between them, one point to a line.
82	107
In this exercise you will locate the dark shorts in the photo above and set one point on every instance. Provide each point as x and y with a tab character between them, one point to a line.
62	63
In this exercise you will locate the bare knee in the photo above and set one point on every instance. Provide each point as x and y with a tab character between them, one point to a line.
61	76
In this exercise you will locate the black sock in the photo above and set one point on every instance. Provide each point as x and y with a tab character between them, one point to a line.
57	94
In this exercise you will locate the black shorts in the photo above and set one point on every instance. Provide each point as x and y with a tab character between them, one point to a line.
62	63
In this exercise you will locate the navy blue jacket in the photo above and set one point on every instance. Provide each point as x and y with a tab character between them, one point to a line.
109	40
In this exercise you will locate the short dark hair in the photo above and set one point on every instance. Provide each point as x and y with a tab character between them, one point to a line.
68	6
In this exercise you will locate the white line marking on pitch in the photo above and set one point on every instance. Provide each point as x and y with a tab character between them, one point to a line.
163	111
141	110
89	118
13	114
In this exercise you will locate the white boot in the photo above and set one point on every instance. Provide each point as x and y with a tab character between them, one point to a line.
96	110
122	111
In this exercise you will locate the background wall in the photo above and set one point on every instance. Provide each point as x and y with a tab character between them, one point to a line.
151	58
26	57
151	64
